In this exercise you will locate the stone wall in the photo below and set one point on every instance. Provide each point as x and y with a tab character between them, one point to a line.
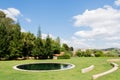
115	67
87	69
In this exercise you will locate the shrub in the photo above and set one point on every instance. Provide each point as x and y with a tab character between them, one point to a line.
80	53
65	56
98	53
109	54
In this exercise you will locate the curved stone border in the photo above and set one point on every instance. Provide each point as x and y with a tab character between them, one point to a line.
15	67
87	69
115	67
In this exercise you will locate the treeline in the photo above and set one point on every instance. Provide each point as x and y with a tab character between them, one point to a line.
110	52
15	44
90	53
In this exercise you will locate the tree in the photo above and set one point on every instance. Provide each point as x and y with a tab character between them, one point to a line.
38	50
14	45
98	53
2	14
79	53
39	32
28	44
48	48
71	49
66	47
88	53
10	35
56	46
4	42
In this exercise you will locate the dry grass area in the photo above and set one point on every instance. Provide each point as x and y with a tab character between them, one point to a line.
113	60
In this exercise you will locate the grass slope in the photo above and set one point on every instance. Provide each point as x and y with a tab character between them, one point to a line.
8	73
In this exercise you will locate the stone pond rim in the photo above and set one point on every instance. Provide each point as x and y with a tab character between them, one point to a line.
37	67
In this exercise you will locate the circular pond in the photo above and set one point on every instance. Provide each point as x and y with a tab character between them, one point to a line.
44	67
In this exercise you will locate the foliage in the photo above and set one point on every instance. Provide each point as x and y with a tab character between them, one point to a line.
65	47
38	50
80	53
90	53
2	14
39	35
10	37
71	49
48	48
15	44
65	56
27	44
4	43
56	46
113	53
98	53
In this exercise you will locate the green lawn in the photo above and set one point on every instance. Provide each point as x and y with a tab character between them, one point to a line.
8	73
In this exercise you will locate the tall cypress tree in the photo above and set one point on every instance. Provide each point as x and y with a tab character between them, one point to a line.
39	32
38	51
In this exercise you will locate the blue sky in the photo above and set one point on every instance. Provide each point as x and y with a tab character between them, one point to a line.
79	23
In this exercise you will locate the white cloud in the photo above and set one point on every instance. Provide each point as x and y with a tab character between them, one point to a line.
76	43
44	36
23	30
12	13
73	41
102	21
104	27
113	38
28	20
117	2
114	45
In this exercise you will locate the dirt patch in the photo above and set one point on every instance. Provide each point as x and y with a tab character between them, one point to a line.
113	60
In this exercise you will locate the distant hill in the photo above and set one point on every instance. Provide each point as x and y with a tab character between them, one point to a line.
112	51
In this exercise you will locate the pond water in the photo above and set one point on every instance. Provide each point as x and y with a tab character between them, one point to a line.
44	66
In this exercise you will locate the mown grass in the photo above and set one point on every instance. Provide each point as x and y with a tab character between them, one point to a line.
8	73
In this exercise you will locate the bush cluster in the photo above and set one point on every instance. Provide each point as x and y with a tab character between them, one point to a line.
65	56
